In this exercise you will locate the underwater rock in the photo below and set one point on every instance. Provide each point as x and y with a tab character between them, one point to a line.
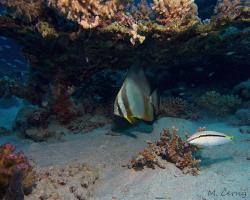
4	131
244	129
170	148
32	123
29	117
243	115
243	89
74	181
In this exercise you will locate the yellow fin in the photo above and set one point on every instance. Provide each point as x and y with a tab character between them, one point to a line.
131	120
230	137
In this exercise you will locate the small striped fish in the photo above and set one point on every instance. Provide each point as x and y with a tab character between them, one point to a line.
209	138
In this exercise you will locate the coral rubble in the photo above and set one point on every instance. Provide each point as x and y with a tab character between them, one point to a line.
74	181
14	165
170	148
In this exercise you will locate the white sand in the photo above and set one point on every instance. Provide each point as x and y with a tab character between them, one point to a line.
224	169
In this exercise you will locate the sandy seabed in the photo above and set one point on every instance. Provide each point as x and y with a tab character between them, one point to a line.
225	170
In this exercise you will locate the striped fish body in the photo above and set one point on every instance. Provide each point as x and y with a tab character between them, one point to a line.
209	138
133	100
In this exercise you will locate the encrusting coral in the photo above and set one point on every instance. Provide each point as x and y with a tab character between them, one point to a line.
178	107
170	148
12	163
220	105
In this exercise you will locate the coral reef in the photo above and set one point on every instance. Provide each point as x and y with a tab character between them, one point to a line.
218	104
243	90
74	181
24	10
46	30
15	190
243	116
80	39
229	10
88	13
63	107
12	163
169	148
175	13
178	107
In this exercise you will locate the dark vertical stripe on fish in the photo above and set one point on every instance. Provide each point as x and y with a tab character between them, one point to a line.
126	102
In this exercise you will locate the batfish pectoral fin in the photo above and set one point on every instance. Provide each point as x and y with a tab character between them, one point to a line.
131	120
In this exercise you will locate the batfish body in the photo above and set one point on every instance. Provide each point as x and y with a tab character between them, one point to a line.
134	100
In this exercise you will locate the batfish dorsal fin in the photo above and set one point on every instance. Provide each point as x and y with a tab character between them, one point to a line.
137	74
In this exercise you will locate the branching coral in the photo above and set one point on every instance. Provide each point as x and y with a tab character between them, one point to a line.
220	105
24	10
175	12
177	107
231	9
169	148
88	13
12	163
